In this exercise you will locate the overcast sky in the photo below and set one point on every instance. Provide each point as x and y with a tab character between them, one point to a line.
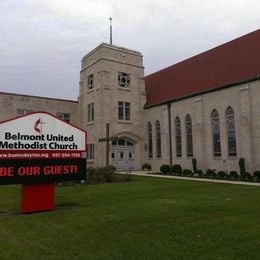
42	41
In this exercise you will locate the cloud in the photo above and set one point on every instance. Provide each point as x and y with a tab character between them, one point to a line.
43	41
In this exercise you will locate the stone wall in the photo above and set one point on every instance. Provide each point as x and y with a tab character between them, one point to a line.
245	101
10	104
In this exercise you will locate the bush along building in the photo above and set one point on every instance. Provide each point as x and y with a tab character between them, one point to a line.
205	108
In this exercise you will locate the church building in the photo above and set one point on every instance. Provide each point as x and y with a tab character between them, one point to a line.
206	107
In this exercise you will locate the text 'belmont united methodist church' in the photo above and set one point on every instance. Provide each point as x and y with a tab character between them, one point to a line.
43	141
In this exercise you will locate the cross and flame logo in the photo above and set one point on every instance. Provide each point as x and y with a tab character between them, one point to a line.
38	126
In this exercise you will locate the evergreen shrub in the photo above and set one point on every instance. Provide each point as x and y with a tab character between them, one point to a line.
247	177
165	168
146	166
194	165
176	168
210	173
200	173
233	175
187	172
221	174
257	175
242	167
103	174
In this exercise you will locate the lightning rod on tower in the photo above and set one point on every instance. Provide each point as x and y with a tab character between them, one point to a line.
110	30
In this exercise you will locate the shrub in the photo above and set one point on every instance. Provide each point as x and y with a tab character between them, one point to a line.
242	167
146	166
108	172
257	175
246	177
122	177
112	167
211	173
194	165
176	168
187	172
233	175
200	172
91	175
249	176
221	174
100	174
165	168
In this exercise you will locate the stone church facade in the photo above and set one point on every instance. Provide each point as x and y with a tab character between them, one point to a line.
206	107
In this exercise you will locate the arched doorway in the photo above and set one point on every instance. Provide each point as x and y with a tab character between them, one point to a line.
123	155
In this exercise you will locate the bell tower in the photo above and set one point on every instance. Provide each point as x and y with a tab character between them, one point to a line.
112	91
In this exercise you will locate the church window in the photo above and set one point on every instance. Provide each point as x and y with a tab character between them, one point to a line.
63	116
178	137
215	124
158	139
188	126
121	142
91	152
90	82
150	140
21	112
231	132
123	79
123	110
91	112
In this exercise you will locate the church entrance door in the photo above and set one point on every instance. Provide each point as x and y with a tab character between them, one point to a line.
123	155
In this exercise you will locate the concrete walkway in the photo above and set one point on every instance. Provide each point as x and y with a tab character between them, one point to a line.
151	174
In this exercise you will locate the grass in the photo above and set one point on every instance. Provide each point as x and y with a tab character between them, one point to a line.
147	218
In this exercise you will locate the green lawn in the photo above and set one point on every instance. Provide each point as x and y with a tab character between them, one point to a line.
147	218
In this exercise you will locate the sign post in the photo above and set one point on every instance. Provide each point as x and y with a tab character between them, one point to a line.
37	150
37	197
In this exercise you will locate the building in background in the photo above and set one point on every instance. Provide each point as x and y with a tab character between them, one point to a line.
206	107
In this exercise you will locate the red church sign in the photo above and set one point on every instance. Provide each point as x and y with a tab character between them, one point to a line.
38	150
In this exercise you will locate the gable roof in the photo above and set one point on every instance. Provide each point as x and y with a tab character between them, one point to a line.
227	64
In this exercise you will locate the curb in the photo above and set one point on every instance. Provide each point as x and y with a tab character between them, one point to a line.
150	174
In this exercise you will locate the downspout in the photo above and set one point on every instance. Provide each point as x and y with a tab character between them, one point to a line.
170	130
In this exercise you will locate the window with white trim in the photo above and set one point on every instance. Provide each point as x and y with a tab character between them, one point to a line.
188	126
91	152
178	137
63	116
215	124
150	140
123	110
90	82
91	112
231	132
21	112
158	139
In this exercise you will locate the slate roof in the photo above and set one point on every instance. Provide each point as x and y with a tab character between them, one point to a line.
228	64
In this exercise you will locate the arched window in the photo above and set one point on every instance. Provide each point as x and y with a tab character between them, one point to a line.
216	133
188	126
150	140
231	132
158	139
178	136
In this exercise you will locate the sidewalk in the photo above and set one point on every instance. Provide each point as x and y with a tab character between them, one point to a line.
150	174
